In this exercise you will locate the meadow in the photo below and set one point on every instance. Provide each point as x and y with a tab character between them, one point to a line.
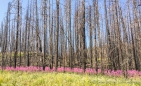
33	76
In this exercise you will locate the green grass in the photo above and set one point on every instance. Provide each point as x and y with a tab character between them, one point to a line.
8	78
18	54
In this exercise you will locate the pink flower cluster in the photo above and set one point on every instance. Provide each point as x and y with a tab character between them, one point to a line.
130	73
113	73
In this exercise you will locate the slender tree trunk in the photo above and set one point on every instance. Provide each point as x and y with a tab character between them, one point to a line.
17	32
83	36
57	32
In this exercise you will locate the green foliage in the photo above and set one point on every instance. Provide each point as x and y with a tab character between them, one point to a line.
18	54
62	79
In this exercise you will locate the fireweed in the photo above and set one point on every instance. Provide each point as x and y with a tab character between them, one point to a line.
130	73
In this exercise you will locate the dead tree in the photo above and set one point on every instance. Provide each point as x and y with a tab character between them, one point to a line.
57	32
17	33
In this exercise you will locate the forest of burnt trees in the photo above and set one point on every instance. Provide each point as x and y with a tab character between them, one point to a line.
72	33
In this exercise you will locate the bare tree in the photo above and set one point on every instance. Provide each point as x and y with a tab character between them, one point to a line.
57	32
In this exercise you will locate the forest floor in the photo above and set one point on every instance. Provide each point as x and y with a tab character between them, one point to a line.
19	78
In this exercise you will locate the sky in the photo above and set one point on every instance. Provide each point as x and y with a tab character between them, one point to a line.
4	6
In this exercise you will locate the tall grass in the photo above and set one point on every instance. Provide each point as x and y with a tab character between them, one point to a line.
18	78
